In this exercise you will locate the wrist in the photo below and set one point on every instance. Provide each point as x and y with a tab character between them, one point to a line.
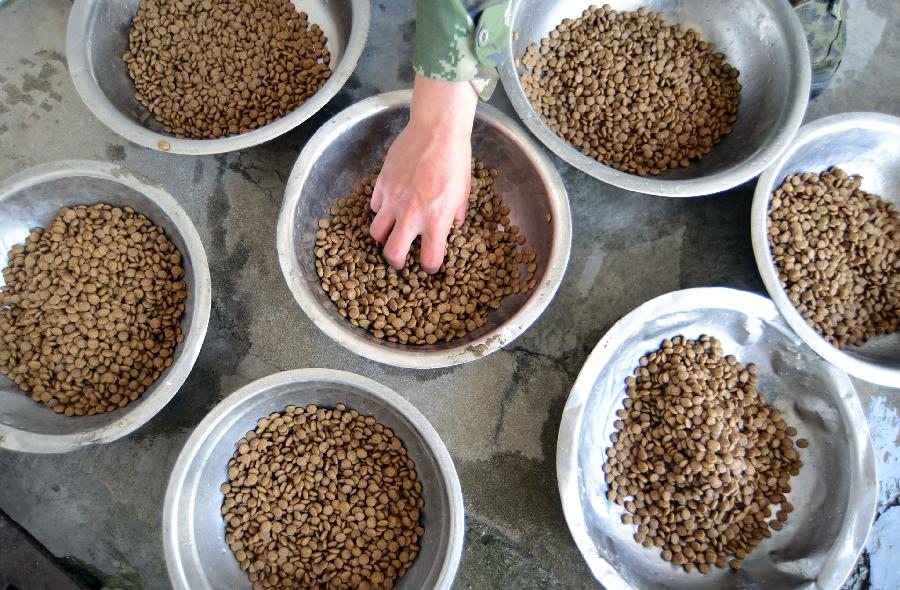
446	107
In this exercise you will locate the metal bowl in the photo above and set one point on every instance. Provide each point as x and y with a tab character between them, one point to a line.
193	532
763	39
97	37
31	199
834	495
860	143
344	150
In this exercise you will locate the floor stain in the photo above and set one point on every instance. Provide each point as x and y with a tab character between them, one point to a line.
31	83
492	561
405	71
408	31
53	55
198	171
16	96
125	577
115	152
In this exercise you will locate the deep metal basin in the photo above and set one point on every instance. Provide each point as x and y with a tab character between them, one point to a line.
763	39
193	532
31	199
97	37
867	144
834	495
344	150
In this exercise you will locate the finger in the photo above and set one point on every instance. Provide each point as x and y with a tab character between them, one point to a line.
397	246
434	246
382	225
377	195
462	211
464	205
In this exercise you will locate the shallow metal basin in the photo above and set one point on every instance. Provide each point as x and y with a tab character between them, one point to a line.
867	144
193	532
834	495
31	199
97	37
761	38
344	150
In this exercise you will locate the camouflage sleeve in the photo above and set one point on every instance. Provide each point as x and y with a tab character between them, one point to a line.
461	40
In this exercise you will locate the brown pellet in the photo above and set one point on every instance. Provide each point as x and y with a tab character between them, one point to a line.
696	455
631	90
212	69
322	498
487	259
90	313
835	247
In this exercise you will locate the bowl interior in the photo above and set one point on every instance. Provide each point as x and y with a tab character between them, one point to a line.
873	152
106	40
806	389
197	521
754	39
362	143
34	206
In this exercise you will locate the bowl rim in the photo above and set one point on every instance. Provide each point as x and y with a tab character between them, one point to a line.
860	514
340	330
170	383
171	519
734	175
104	110
811	132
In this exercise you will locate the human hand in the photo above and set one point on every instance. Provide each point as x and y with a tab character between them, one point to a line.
426	177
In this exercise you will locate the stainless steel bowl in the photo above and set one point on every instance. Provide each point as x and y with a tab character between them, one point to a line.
193	533
31	199
762	38
97	37
834	495
860	143
344	150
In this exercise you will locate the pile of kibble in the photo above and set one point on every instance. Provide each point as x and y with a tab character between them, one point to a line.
322	498
698	457
486	261
631	90
835	246
209	69
90	314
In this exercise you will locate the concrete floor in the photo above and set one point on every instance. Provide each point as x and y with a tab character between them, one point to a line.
499	416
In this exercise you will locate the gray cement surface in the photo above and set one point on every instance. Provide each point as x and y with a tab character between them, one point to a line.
101	507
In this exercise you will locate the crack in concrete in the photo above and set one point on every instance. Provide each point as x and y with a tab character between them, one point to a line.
245	169
556	362
523	368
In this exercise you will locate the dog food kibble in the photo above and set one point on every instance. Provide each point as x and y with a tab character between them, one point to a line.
90	314
322	498
632	91
836	247
486	260
698	457
209	69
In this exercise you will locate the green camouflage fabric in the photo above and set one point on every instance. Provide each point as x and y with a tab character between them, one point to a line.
461	40
824	22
